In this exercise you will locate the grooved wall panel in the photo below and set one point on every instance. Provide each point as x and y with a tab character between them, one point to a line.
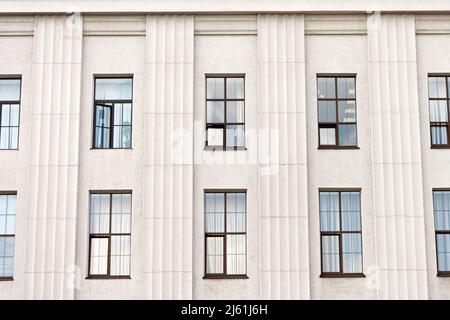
53	157
282	158
168	157
397	164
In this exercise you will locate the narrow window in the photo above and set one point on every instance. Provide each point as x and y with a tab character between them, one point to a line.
336	97
113	113
225	112
110	235
439	104
441	205
7	235
340	233
225	234
9	113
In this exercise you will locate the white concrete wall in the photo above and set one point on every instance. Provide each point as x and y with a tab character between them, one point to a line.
432	57
168	168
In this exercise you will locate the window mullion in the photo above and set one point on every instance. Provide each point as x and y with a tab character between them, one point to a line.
341	262
336	134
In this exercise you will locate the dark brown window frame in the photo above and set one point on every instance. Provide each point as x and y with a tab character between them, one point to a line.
9	193
111	120
336	124
223	125
223	235
107	236
436	232
339	233
18	102
438	123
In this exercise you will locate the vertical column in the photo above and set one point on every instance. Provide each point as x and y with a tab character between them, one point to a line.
168	157
397	164
53	160
283	199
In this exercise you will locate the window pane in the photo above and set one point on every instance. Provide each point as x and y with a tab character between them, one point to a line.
9	89
347	134
103	116
14	116
5	115
438	111
347	111
235	136
13	137
235	212
126	137
215	137
236	254
235	88
436	87
215	111
118	114
215	212
329	211
441	205
439	135
120	255
3	204
326	88
121	213
4	138
327	136
99	256
2	223
235	111
327	111
351	216
330	253
352	253
113	89
126	119
215	88
6	256
117	143
214	255
443	251
346	88
99	217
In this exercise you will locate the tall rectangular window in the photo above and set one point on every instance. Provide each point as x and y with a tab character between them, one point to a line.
225	234
438	94
340	233
336	97
110	235
7	234
9	113
113	113
225	111
441	205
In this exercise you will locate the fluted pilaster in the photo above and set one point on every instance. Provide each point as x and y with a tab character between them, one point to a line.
168	159
397	163
53	157
282	158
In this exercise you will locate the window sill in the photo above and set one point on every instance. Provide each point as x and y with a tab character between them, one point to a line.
444	146
225	277
111	149
6	279
108	278
338	147
17	149
343	275
224	149
443	274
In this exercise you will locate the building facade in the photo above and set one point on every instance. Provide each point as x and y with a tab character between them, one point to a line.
237	150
